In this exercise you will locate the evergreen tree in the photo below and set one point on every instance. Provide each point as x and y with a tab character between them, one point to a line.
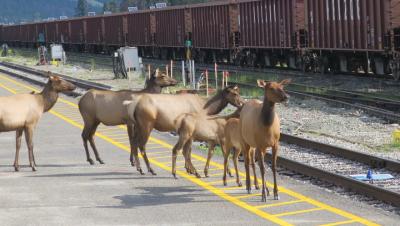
81	8
111	6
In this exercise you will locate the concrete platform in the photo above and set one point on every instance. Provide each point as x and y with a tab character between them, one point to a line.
66	190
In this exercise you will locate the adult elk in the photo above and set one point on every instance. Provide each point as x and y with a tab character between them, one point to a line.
106	107
159	111
260	129
22	112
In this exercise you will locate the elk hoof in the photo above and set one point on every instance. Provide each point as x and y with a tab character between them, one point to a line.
239	184
132	163
100	161
257	186
175	177
91	162
197	175
263	198
16	168
205	173
225	183
276	197
33	169
268	192
152	172
230	173
249	190
140	171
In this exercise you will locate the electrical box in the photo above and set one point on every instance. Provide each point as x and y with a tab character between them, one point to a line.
57	52
131	58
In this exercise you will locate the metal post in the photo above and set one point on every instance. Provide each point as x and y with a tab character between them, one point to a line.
183	73
167	70
149	68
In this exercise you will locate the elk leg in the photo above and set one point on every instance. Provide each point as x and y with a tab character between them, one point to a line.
253	166
178	146
134	149
142	146
130	135
265	191
85	136
29	143
246	164
188	151
211	149
17	147
93	145
226	157
235	163
274	157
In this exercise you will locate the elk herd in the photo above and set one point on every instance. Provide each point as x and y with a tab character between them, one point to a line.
251	129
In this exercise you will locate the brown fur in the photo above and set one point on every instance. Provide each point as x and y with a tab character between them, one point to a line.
200	127
106	107
22	112
260	129
159	111
233	140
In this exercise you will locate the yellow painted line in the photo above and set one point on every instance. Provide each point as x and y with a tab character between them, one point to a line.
215	169
231	188
297	212
170	162
339	223
280	204
160	152
215	174
248	196
221	182
216	191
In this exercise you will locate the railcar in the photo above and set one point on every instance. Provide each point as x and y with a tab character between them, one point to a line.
313	35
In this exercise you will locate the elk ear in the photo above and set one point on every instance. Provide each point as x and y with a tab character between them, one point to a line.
261	83
286	82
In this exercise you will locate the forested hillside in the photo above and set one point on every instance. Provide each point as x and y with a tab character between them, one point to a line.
16	11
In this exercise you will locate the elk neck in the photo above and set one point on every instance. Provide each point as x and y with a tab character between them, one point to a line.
216	104
152	87
267	112
49	96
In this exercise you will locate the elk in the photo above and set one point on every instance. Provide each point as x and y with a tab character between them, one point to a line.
98	106
260	129
200	127
233	140
22	112
159	111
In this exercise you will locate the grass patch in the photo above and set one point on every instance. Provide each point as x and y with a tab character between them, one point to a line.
217	151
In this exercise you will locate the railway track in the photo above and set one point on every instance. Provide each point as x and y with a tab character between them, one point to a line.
325	162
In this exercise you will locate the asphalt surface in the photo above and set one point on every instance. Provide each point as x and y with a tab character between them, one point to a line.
66	190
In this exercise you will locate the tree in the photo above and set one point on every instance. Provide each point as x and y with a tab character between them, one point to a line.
111	6
81	8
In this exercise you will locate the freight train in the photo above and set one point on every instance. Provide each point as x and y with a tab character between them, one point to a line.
311	35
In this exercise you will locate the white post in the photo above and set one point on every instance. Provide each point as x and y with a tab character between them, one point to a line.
167	70
207	82
216	76
226	79
149	68
223	80
183	73
172	68
194	75
190	72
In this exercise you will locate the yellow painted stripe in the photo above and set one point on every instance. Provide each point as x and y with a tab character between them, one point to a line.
248	196
297	212
339	223
279	204
218	192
